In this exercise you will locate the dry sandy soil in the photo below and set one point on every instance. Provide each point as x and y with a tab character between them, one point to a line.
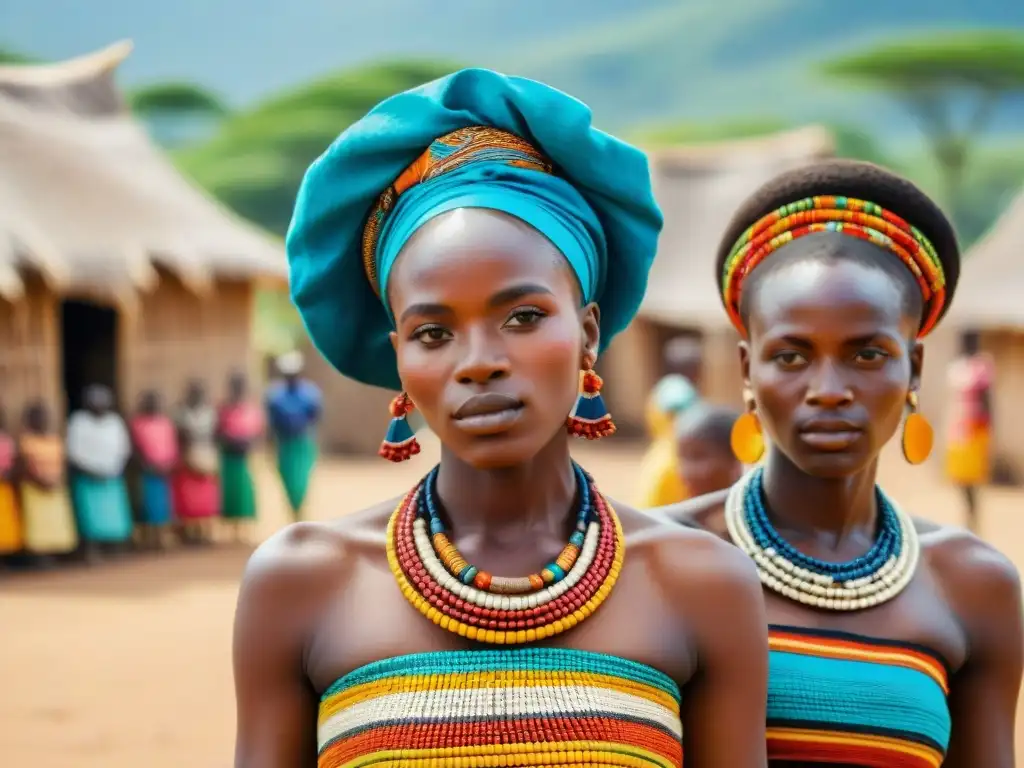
128	663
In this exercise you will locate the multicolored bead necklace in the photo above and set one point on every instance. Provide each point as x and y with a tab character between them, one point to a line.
472	603
874	578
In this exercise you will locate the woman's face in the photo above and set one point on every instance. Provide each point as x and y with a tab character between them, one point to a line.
830	360
490	335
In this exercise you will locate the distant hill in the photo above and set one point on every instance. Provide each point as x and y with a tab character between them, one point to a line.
645	61
736	58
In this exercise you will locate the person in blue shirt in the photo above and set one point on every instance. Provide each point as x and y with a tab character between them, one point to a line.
293	410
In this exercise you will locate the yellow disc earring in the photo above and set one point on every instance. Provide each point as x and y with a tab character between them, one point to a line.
747	438
918	435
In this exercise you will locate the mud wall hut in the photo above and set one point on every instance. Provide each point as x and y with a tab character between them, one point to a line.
113	267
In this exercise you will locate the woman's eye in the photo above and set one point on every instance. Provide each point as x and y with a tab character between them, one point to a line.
431	334
788	359
524	317
872	355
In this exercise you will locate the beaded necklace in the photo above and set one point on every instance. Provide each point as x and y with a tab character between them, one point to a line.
472	603
871	579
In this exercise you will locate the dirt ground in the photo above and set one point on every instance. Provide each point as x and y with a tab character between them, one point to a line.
128	663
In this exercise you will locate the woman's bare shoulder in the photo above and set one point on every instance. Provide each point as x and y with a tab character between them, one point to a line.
305	561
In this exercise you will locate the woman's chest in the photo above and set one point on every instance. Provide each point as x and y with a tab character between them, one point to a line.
370	619
918	616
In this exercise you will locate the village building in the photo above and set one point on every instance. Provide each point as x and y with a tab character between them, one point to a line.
114	268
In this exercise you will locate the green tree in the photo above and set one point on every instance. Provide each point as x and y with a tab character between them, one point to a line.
951	83
175	99
703	132
9	56
177	113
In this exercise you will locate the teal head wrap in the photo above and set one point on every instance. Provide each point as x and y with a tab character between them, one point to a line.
474	139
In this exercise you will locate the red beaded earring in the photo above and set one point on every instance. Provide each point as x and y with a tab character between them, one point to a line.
400	442
590	418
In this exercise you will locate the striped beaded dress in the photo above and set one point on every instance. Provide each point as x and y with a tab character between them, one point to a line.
507	707
836	698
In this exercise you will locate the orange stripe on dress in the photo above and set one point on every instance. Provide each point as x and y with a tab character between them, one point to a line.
872	752
843	648
484	733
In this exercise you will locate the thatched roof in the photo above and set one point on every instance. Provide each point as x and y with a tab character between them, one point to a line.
90	202
992	279
699	188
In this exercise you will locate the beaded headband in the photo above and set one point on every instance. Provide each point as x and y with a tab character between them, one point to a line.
444	155
829	213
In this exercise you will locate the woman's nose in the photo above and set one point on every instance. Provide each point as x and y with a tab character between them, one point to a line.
485	360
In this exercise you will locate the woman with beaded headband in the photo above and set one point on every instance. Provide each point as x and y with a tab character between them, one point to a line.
474	243
894	641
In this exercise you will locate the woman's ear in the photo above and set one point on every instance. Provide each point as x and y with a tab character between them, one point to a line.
591	327
916	365
744	350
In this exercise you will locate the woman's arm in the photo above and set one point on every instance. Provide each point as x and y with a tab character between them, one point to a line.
724	703
984	588
276	706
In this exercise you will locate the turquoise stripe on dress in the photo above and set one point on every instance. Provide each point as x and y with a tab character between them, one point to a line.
538	659
857	694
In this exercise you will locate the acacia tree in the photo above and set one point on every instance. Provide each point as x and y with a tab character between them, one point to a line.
951	83
177	113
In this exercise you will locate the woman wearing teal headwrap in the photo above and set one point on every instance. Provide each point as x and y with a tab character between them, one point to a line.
474	243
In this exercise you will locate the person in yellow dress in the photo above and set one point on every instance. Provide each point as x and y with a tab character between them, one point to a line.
968	441
50	527
660	479
11	534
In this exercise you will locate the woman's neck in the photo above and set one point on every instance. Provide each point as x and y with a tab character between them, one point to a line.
828	509
511	505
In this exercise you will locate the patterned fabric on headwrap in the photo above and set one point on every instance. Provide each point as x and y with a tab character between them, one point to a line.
449	152
830	213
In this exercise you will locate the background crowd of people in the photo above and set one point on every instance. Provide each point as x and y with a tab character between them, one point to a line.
109	483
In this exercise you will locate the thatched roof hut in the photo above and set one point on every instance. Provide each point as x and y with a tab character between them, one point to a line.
988	300
113	267
989	293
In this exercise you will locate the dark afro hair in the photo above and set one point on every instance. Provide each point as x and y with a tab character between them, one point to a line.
849	178
713	423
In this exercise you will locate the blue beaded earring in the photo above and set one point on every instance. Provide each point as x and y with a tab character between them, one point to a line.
590	418
400	443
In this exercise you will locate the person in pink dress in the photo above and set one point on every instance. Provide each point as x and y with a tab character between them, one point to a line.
196	484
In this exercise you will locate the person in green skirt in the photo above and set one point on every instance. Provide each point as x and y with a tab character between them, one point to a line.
294	408
240	425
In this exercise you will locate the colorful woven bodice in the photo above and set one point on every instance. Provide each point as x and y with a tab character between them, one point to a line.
841	699
507	707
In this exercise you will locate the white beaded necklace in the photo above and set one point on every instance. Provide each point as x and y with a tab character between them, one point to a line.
822	591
